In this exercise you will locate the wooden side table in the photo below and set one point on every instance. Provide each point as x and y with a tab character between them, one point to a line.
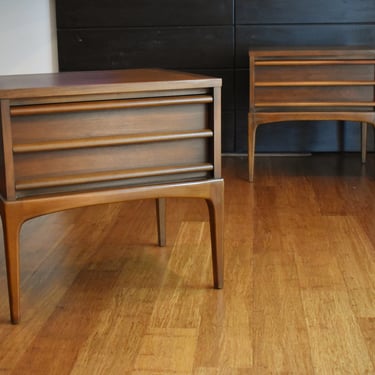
310	84
85	138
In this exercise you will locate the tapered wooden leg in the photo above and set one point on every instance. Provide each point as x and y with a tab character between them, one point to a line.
364	141
216	212
160	213
11	228
251	147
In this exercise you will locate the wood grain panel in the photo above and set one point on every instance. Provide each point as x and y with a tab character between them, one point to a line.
4	124
111	122
314	73
182	47
297	299
55	163
279	320
343	94
304	11
326	290
115	13
300	35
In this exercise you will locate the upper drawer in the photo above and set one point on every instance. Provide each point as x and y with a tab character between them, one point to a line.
314	73
120	13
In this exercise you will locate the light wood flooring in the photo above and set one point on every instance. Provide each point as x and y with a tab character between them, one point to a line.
100	297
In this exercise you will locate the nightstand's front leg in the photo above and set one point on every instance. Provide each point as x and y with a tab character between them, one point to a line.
11	229
251	146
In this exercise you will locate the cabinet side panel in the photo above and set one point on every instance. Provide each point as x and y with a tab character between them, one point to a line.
2	157
6	158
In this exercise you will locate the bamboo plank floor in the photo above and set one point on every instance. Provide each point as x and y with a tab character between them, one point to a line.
99	297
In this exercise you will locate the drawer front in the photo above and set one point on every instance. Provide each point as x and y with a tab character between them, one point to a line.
315	73
75	146
323	95
74	125
312	84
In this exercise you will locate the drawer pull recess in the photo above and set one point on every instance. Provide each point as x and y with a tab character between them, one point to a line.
118	140
45	109
85	178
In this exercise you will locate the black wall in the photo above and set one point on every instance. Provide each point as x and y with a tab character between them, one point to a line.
213	37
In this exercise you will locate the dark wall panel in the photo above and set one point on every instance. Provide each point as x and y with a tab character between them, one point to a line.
228	132
186	47
304	11
120	13
242	89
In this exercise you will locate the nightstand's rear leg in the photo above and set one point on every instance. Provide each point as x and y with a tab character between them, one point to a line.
251	146
216	212
160	212
364	141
